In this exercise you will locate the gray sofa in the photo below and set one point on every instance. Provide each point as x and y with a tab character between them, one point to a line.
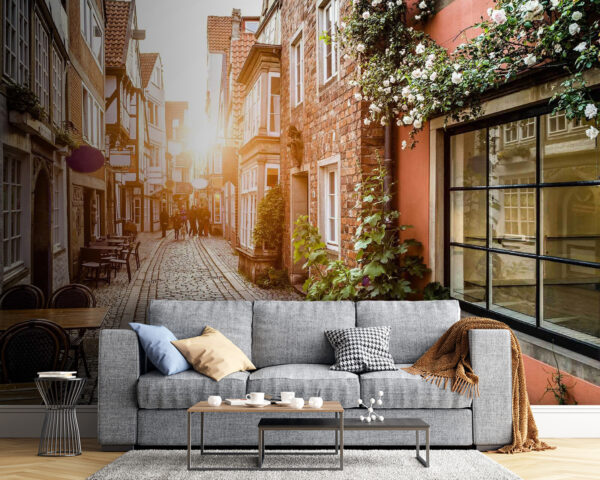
139	406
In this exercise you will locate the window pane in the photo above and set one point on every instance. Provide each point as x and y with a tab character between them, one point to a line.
512	153
512	219
568	155
571	222
572	301
467	280
513	286
468	159
468	217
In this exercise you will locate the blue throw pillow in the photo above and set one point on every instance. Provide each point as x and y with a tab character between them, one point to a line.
156	342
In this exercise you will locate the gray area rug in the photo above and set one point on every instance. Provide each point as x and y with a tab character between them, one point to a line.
358	464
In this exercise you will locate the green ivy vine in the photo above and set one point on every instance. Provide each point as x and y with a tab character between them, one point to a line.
406	77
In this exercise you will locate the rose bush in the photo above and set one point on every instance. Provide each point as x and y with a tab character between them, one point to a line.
408	78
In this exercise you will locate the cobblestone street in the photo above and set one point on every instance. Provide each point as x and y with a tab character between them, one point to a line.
191	269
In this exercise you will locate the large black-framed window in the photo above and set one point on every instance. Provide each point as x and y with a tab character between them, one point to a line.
522	226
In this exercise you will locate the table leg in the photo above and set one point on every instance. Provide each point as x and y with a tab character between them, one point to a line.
336	437
424	461
260	447
201	433
262	458
341	440
189	440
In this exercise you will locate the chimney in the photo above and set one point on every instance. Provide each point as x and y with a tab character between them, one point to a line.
236	23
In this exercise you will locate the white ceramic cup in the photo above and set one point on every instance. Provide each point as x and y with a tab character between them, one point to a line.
315	402
287	397
214	401
256	397
298	403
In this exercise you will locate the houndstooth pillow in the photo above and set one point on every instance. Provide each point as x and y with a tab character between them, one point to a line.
360	350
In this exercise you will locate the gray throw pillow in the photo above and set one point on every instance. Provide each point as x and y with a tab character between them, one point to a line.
360	350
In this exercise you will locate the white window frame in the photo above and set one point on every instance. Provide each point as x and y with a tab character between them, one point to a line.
157	77
248	197
89	21
92	119
41	77
12	212
297	70
58	208
327	13
16	40
274	117
252	107
58	86
331	232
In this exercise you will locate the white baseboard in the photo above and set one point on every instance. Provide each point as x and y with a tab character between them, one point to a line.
25	421
567	421
553	421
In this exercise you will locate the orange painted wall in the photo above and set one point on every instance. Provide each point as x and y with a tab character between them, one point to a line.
412	183
412	166
539	373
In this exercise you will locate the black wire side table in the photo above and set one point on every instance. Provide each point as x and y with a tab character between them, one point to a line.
60	432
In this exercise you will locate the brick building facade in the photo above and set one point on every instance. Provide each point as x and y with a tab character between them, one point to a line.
90	194
333	147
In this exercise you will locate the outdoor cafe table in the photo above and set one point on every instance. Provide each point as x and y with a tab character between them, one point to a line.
69	318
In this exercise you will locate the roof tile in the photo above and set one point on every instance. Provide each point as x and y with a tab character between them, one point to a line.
117	23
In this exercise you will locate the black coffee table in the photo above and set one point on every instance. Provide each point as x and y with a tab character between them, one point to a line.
313	424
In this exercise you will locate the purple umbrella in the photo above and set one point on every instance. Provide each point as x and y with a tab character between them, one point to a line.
85	159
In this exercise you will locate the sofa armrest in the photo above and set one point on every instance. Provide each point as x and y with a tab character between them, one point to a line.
492	411
118	373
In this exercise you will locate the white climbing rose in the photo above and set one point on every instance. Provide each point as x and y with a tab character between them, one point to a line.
420	48
581	47
574	29
592	132
590	111
360	47
423	5
498	16
366	15
456	77
404	144
530	60
577	16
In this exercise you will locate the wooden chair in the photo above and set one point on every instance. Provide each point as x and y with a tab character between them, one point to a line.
137	255
28	348
92	260
117	263
75	295
21	297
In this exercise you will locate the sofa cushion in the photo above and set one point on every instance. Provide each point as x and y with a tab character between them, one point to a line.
294	332
188	318
403	390
416	326
307	380
360	350
184	389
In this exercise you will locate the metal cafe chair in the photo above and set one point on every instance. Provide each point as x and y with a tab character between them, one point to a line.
22	297
74	295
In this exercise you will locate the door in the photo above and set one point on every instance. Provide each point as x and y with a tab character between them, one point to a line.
299	206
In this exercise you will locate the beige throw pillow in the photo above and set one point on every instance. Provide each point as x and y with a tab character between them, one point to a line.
213	354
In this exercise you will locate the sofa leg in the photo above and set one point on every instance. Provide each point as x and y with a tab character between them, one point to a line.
117	448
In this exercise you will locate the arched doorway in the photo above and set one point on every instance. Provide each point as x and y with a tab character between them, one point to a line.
41	234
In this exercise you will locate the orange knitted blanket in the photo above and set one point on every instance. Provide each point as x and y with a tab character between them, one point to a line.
447	362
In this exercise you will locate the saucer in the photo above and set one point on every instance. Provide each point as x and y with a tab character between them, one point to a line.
283	404
258	404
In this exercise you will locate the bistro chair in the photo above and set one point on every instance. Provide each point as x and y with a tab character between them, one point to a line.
117	263
28	348
137	255
91	260
21	297
75	295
